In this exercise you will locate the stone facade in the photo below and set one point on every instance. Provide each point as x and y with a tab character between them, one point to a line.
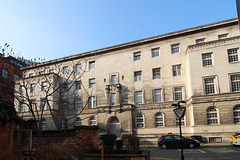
130	88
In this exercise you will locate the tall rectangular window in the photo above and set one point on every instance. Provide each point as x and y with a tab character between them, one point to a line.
176	69
207	59
155	52
138	97
209	85
78	68
182	121
65	105
233	55
178	93
113	99
175	48
4	73
92	102
235	83
65	70
20	107
138	76
32	87
44	86
157	95
33	105
43	104
113	79
78	103
136	56
78	85
156	73
92	83
92	65
65	87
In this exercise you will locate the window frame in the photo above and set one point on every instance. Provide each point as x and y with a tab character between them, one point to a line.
206	60
177	70
156	73
222	36
236	114
159	120
65	70
44	86
156	94
78	67
175	48
137	56
233	55
211	118
155	52
208	87
178	93
92	102
113	99
92	83
78	102
78	122
200	40
235	82
77	85
92	121
91	64
137	97
137	76
183	121
141	123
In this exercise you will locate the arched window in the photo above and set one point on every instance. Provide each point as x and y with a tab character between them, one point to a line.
44	124
159	121
78	122
212	116
182	121
92	121
139	121
236	114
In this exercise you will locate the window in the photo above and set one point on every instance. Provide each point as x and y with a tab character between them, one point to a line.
176	69
92	102
33	105
21	89
155	52
78	68
175	48
78	103
51	70
78	122
233	55
138	97
139	121
44	86
235	83
113	99
65	105
78	85
178	95
207	59
212	116
32	88
92	83
44	124
209	85
65	87
20	107
157	95
113	79
31	75
138	76
92	121
4	73
182	121
236	114
16	77
65	70
159	121
136	56
156	73
222	36
42	104
200	40
91	64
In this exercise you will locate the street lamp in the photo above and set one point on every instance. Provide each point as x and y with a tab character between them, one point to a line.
179	106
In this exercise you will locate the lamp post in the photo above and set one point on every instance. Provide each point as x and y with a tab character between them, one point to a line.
178	106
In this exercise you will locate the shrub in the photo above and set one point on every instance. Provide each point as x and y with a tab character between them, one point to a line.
109	141
131	143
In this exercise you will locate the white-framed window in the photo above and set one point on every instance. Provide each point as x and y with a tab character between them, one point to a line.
200	40
43	105
21	89
182	121
78	103
44	86
207	59
78	122
32	87
138	76
236	114
113	99
44	124
113	79
138	96
155	52
16	77
177	70
136	56
78	85
65	70
175	48
210	85
92	121
157	95
78	67
51	70
139	121
91	64
212	116
65	87
233	55
92	83
20	107
5	73
222	36
156	73
178	93
159	120
92	102
235	82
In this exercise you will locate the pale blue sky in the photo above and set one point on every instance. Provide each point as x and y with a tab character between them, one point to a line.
53	29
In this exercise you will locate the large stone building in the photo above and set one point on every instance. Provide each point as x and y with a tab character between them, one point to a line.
130	88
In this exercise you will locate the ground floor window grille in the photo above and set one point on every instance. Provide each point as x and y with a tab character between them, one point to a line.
212	116
236	114
159	122
139	121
